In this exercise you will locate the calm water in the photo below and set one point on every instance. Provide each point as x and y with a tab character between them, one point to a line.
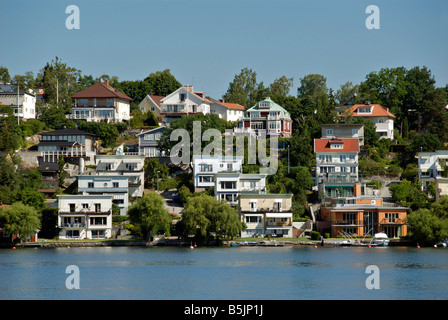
224	273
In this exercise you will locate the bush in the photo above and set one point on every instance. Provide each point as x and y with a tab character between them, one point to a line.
315	235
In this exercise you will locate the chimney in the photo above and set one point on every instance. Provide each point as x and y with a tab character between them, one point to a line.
189	87
106	82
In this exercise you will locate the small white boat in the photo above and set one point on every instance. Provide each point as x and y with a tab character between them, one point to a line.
380	240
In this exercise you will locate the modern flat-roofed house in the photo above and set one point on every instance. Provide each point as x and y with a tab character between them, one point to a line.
380	116
343	131
266	214
205	167
228	185
152	103
433	169
71	143
85	216
148	142
132	166
183	102
26	100
362	216
266	117
101	102
114	185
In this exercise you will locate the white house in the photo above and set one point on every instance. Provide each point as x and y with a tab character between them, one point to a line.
101	102
85	216
342	131
132	166
380	116
26	100
228	185
433	169
205	168
183	102
227	111
114	185
266	214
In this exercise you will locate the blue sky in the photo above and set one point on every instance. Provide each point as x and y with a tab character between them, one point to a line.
206	42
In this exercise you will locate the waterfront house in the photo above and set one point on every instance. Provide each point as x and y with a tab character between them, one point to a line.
362	216
337	167
343	131
101	102
152	103
183	102
85	216
114	185
205	167
228	185
148	142
266	117
23	101
132	166
266	214
432	169
379	115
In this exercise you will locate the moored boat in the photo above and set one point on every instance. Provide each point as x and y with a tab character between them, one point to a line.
380	240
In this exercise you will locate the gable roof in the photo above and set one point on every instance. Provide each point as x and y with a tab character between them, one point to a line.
144	131
234	106
101	90
156	99
377	111
324	145
67	131
183	88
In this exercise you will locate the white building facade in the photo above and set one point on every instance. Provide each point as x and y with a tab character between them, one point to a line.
132	166
85	216
205	168
25	100
433	169
228	186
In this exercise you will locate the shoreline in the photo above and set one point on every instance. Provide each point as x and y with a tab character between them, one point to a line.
183	243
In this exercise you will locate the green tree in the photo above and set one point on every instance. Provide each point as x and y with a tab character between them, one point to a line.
4	75
281	87
427	228
49	222
244	88
153	170
162	83
20	219
150	215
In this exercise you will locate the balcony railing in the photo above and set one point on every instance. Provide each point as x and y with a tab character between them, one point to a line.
73	225
392	221
346	223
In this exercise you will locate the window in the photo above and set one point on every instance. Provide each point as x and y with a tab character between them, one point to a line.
364	110
98	221
329	132
253	219
228	184
336	146
256	125
253	205
264	105
204	167
97	207
342	158
72	207
183	96
254	114
90	184
115	184
149	137
85	206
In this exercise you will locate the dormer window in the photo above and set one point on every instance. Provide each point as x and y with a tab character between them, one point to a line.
336	146
264	105
365	110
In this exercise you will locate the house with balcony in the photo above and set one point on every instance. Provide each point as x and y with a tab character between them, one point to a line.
206	166
152	103
266	117
183	102
101	102
85	216
22	102
362	216
229	185
114	185
337	167
76	146
433	169
343	131
131	166
148	142
379	115
266	214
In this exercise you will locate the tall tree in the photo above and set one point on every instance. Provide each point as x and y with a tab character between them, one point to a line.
243	89
4	75
281	86
20	219
150	215
162	83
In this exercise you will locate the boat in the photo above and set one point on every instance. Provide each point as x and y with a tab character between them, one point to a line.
380	240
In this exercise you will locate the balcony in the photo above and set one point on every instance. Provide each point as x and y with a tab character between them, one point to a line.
347	223
73	225
392	221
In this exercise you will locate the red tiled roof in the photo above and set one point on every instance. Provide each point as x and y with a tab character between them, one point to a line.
232	105
324	145
377	111
156	99
101	90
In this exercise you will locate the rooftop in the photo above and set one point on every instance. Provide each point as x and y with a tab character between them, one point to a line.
101	90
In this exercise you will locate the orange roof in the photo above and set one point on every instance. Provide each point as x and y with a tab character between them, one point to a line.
324	145
377	111
232	105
